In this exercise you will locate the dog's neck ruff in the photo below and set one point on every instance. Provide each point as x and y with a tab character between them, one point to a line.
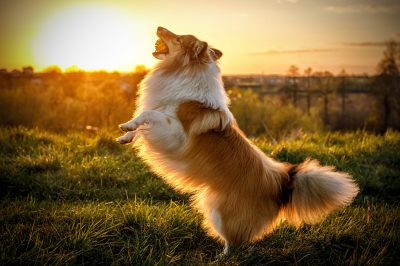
160	89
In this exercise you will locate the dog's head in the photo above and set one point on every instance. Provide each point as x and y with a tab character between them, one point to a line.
184	48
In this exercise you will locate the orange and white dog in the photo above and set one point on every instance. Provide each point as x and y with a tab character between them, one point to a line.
186	134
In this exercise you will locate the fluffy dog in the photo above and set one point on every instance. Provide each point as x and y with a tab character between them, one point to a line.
186	134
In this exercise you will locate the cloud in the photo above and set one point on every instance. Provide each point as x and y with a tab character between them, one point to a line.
363	8
300	51
366	44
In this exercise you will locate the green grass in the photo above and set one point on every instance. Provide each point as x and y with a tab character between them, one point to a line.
83	199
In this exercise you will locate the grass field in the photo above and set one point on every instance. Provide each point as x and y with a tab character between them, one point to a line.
83	199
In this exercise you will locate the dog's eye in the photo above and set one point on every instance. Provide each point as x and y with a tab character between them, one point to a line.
178	39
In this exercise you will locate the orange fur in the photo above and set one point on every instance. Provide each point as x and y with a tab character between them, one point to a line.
190	138
233	171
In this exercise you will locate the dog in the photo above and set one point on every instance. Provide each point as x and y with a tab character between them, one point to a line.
186	133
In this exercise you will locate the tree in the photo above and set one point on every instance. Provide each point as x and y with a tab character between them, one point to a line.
294	73
307	73
324	82
53	69
386	89
342	90
141	69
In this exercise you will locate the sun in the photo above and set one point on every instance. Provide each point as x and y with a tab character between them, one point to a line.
89	37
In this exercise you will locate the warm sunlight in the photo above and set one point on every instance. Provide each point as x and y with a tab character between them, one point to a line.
255	36
89	37
212	132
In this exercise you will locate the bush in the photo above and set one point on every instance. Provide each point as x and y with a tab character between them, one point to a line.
257	116
67	102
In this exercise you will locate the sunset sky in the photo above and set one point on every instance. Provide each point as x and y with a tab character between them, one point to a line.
256	36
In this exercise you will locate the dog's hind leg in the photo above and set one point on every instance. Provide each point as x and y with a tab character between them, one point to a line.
243	222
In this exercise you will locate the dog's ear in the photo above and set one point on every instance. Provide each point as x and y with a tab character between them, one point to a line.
215	53
199	48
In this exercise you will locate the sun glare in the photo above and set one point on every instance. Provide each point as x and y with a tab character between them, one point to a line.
91	38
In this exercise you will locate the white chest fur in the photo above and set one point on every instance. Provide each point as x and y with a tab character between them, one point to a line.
164	92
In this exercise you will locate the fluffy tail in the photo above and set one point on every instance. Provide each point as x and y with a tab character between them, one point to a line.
316	191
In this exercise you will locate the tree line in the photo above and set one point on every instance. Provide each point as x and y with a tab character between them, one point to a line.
312	101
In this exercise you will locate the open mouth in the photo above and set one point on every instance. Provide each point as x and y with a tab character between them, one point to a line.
161	48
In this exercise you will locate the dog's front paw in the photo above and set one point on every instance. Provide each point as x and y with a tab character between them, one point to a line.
126	138
128	126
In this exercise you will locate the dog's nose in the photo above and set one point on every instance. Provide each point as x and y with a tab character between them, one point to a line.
160	29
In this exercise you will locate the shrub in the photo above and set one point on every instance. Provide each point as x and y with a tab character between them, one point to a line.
257	116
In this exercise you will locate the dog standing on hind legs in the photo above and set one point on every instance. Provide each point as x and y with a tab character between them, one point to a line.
185	132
